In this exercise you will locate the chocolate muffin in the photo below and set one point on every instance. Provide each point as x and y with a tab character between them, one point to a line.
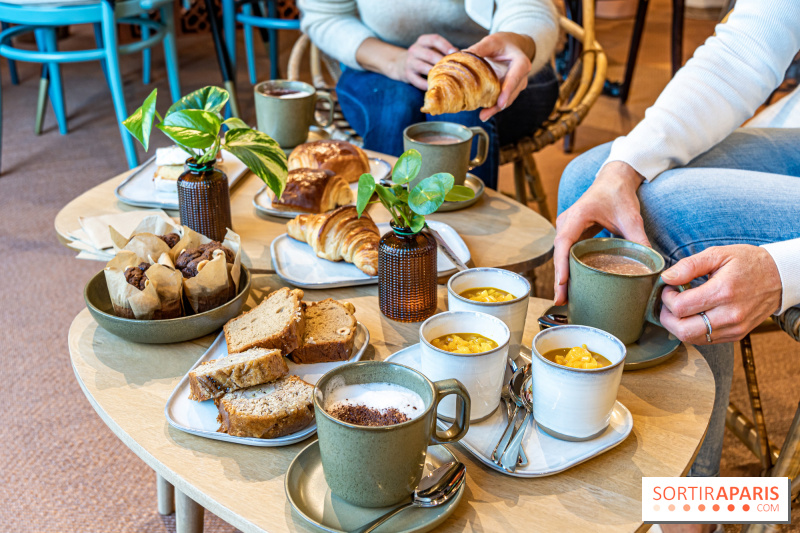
189	259
170	238
135	275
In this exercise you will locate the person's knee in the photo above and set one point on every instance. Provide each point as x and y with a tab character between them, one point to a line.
579	175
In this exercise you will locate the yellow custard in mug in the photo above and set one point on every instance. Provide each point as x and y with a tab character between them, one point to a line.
577	357
464	343
487	295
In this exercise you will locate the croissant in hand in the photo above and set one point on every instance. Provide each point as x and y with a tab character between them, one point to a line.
460	81
340	235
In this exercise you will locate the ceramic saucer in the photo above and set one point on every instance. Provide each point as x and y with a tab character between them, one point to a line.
310	497
655	346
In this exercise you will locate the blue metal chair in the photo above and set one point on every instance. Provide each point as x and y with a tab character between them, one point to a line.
252	16
43	17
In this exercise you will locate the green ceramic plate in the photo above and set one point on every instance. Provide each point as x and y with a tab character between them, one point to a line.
160	331
309	495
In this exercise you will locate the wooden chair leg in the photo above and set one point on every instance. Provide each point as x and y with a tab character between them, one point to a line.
754	396
519	182
534	180
633	50
678	8
188	514
166	496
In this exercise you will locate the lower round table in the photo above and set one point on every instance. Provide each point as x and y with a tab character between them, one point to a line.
128	384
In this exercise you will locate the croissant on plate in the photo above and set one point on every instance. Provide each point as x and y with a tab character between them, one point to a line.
460	81
340	235
341	157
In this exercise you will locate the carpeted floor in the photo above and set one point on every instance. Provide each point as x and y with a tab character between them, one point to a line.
63	469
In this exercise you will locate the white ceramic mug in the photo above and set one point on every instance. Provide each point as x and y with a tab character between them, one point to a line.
481	374
570	403
512	313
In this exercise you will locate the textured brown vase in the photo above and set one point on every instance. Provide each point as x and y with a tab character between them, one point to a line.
204	199
407	275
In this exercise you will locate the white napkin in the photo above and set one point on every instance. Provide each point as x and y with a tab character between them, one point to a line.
96	228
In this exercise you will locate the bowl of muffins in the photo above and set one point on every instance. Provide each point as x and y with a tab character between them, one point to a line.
168	284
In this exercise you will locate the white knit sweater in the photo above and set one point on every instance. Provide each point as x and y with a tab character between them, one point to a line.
338	27
723	84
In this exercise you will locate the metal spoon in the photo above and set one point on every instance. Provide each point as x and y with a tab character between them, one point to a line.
514	385
435	489
509	459
505	394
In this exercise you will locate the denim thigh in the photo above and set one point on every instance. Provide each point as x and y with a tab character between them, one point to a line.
379	108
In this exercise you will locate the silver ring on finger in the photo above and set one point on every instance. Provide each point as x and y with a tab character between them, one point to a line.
709	331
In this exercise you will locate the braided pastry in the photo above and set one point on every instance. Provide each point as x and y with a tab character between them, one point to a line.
460	81
340	235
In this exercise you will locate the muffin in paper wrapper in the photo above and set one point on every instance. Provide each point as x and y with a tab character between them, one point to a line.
162	296
145	241
216	281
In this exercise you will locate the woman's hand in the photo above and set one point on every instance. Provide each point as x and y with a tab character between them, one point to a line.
610	203
744	288
514	53
412	66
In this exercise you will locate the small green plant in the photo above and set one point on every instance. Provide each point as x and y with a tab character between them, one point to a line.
194	123
408	209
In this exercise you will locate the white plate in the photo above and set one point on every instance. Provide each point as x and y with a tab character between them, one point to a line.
139	190
546	455
262	201
296	263
200	418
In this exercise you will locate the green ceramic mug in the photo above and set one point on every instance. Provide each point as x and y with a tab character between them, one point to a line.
445	147
376	466
285	110
620	304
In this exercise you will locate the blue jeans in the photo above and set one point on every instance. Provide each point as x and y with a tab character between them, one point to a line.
744	190
380	108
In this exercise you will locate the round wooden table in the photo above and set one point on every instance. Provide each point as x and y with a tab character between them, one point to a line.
128	385
499	231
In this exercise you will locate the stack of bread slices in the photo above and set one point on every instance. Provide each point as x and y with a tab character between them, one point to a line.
251	386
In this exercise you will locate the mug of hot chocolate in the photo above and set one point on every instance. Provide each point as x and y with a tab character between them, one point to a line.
445	147
614	285
375	421
286	109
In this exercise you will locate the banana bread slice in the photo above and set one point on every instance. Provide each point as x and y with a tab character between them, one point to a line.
267	411
236	371
330	332
277	322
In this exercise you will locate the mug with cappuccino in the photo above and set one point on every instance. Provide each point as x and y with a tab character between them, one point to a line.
285	110
375	421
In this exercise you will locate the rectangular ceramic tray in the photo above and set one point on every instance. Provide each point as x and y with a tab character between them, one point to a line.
138	189
200	418
262	201
296	263
546	455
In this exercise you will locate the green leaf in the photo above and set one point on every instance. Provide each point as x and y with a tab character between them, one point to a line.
261	154
366	186
407	167
386	196
211	99
459	193
195	119
234	123
188	137
140	123
429	194
417	223
401	193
